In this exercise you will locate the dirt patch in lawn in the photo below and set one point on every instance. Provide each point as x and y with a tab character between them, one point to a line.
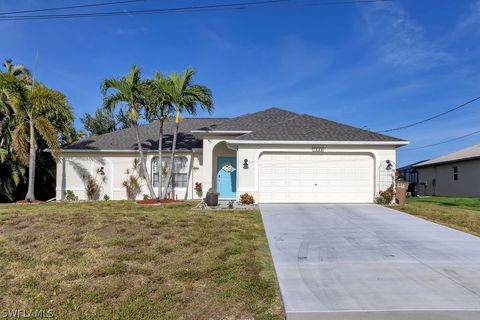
155	201
29	202
118	260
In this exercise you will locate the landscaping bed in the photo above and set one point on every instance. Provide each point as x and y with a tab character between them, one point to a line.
118	260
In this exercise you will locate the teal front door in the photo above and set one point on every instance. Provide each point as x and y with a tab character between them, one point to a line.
227	177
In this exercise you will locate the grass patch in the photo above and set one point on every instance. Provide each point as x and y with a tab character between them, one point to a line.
459	213
118	260
463	203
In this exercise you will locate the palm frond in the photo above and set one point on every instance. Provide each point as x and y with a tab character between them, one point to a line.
49	103
13	93
185	95
3	154
134	75
155	99
49	134
111	83
112	100
19	143
127	89
201	95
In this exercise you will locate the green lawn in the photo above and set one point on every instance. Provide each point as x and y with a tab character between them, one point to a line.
463	203
119	260
458	213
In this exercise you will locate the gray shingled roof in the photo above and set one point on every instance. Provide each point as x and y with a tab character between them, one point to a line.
310	128
256	121
125	139
469	153
271	124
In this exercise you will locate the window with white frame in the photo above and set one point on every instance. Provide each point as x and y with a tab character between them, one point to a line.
455	173
180	171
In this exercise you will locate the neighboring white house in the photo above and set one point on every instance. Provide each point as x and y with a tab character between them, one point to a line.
275	155
455	174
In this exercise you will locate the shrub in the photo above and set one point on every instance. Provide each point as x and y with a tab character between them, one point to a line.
70	196
132	187
106	197
132	184
146	197
246	199
91	188
92	184
385	197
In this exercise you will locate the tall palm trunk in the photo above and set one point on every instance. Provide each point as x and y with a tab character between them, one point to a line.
31	164
160	154
172	157
143	164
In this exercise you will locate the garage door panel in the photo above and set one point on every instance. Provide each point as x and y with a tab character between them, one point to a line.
315	178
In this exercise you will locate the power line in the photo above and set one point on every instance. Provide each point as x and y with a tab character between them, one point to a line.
185	9
443	142
433	117
72	7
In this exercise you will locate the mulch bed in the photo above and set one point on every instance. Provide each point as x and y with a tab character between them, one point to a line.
155	201
26	202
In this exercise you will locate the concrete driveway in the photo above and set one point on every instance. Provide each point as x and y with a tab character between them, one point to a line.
368	262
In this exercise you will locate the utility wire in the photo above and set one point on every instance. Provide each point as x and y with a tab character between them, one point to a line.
443	142
184	9
72	7
433	117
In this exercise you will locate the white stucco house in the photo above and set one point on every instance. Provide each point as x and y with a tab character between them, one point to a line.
275	155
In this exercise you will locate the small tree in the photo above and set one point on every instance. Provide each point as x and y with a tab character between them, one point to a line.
104	121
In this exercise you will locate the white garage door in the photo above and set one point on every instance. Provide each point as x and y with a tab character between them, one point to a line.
334	178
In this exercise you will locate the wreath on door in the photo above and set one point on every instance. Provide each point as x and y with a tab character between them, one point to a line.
227	167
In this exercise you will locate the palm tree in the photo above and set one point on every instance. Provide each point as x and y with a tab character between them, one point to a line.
157	107
12	81
32	114
12	89
12	173
17	70
127	89
184	96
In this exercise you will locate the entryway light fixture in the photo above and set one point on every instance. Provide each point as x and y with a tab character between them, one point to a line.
245	164
389	165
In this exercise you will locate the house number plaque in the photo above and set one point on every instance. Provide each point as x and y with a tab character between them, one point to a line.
318	149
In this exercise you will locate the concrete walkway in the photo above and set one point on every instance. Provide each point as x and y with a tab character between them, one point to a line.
368	262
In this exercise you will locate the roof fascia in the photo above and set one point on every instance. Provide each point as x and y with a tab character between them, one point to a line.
302	142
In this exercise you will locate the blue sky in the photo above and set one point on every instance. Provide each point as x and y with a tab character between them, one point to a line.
369	65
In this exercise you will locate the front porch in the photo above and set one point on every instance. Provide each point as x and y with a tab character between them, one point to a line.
220	165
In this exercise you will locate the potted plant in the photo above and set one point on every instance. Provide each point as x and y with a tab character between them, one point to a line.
211	198
198	188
